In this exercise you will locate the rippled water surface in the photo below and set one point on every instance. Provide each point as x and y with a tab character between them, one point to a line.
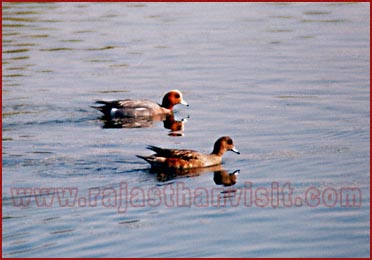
288	82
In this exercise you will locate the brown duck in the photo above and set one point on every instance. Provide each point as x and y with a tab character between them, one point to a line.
188	159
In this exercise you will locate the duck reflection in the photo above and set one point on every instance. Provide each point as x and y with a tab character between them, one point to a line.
220	177
176	126
224	178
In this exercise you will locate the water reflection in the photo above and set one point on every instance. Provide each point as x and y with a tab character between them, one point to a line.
176	126
225	178
220	177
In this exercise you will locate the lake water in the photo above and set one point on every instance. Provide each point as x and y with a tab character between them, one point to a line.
289	82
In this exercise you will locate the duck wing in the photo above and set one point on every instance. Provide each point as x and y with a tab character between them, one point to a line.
128	103
186	155
129	108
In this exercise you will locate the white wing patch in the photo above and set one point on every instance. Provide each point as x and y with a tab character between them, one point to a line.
113	111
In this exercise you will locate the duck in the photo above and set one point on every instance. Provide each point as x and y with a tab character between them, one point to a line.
141	108
189	159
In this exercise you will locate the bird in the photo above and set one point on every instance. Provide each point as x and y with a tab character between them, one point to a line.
189	159
132	108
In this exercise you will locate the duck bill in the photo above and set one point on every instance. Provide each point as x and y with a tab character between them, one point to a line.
183	102
235	150
235	172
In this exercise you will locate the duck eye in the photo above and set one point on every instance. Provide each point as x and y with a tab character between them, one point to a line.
177	95
229	142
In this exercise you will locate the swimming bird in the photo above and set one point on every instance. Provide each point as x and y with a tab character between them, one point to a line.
141	108
188	159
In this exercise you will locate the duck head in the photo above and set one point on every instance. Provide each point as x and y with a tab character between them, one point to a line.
173	98
224	144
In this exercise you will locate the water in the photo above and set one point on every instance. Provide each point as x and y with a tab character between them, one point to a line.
288	82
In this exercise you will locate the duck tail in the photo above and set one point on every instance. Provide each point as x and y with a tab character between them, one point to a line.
146	158
101	109
105	109
156	149
102	102
155	162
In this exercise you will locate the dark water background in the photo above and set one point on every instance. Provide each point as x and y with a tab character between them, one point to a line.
288	82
